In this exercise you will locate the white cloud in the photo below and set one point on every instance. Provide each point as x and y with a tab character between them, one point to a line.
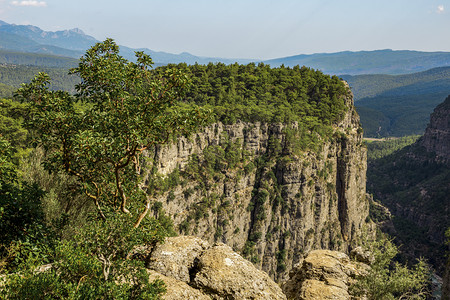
440	9
29	3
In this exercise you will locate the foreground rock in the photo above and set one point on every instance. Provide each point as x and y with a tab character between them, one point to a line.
323	274
176	289
194	269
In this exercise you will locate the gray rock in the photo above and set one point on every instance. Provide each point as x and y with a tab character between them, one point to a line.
176	289
227	275
176	256
323	274
189	263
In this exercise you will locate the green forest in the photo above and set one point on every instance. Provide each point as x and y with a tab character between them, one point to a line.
398	105
12	76
71	206
33	59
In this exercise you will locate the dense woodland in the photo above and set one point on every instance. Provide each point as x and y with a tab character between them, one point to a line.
402	174
400	105
32	59
69	190
12	76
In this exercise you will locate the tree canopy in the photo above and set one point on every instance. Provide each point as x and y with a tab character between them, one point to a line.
120	109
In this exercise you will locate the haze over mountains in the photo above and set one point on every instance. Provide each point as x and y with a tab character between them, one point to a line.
74	42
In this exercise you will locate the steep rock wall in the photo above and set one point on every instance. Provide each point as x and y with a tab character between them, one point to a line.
437	135
249	186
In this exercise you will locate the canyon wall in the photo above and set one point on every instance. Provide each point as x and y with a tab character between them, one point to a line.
266	190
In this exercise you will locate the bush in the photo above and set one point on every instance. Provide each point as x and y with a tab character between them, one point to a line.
95	264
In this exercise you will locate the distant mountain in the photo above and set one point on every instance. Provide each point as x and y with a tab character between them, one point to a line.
73	39
74	42
368	62
398	105
17	43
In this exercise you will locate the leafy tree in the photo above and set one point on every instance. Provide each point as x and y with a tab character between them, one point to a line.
126	108
94	264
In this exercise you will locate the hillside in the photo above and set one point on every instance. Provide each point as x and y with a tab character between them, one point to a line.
12	76
414	183
398	105
33	59
368	62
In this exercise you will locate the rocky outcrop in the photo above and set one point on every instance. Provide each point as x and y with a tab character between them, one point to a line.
323	274
194	269
269	191
437	135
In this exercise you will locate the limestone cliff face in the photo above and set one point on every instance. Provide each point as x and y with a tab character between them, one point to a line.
437	135
323	275
247	186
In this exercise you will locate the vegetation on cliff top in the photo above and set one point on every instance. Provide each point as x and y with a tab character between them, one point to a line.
261	93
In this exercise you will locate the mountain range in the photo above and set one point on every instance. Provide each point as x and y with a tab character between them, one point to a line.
74	42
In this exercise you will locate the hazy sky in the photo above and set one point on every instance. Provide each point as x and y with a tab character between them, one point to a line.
259	29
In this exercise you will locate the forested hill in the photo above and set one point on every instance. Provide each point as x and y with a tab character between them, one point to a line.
12	76
371	85
398	105
36	59
261	93
368	62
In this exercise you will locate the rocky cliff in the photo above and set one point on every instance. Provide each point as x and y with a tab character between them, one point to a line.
437	135
272	192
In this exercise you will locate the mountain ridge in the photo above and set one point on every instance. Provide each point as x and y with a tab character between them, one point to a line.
77	41
385	61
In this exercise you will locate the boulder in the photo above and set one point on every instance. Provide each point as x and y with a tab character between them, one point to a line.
227	275
190	263
176	256
176	289
323	274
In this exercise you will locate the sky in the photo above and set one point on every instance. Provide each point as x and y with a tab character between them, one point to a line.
256	29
